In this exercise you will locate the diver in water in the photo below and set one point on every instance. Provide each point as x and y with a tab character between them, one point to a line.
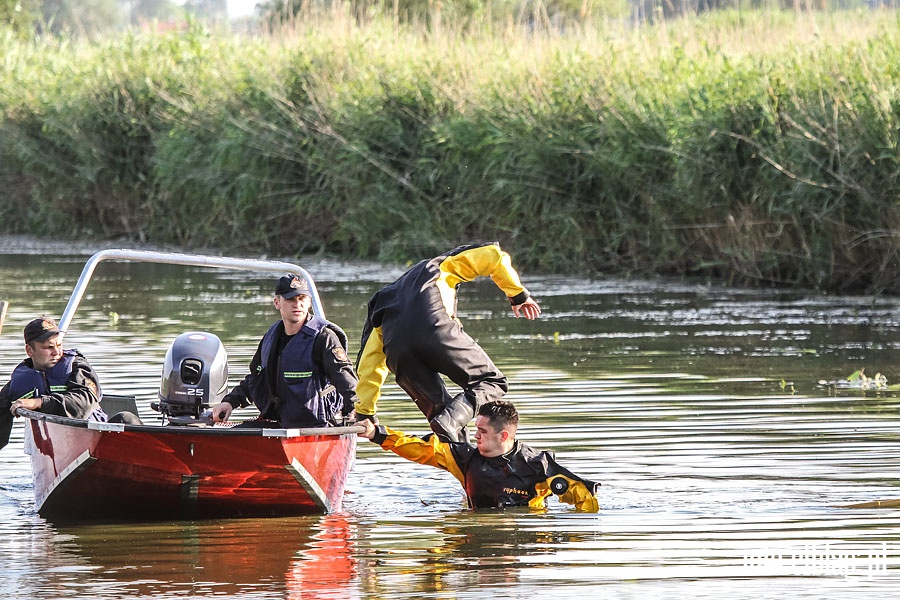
497	472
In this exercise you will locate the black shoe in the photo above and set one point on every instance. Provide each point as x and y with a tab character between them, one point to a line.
450	423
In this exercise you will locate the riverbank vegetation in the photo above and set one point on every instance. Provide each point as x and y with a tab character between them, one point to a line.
755	147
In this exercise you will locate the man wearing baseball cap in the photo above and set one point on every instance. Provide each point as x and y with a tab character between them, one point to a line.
50	380
300	375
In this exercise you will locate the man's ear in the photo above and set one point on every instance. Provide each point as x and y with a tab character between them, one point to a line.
29	351
504	435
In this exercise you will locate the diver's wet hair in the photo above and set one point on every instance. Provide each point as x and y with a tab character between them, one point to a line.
500	413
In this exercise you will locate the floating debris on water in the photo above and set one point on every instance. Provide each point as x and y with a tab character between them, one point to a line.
858	380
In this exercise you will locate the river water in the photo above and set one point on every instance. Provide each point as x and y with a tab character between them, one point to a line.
726	466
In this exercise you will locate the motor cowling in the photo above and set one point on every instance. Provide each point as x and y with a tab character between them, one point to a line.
194	376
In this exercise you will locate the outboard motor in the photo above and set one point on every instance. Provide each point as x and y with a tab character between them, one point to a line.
194	377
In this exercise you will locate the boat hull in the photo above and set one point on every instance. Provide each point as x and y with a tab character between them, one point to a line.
88	470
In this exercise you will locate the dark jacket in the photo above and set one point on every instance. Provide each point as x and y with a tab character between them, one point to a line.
71	388
303	380
417	312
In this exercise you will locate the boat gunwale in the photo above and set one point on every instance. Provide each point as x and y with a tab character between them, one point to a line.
192	429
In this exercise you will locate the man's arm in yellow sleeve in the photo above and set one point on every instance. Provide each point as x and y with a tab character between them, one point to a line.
431	451
372	371
485	261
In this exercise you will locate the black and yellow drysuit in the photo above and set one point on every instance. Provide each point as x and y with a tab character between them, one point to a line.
412	331
523	476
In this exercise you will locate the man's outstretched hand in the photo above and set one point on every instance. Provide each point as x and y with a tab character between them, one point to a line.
528	309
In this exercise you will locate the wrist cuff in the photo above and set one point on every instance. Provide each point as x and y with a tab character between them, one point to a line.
380	434
519	298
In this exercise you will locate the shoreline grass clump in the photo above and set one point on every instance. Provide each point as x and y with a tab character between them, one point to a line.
758	148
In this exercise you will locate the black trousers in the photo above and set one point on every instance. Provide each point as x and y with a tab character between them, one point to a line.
419	356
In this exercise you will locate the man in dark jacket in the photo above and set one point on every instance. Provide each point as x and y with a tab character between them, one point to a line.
497	472
412	331
51	380
300	375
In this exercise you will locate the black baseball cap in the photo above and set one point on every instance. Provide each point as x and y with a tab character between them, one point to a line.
40	330
290	286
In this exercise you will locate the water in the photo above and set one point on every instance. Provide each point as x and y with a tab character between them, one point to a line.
725	464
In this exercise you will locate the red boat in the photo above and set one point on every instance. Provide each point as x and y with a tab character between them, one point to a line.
88	469
184	467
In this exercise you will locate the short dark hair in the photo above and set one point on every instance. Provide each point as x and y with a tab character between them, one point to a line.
500	414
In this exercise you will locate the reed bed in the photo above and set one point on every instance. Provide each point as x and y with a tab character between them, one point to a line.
753	147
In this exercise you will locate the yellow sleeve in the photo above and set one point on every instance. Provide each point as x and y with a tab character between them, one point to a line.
482	261
432	452
372	373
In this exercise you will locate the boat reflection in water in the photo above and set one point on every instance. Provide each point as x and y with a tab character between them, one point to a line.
308	557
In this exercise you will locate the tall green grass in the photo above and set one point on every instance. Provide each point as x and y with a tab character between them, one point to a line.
752	147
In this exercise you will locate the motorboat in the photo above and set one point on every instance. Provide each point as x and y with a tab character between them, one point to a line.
179	464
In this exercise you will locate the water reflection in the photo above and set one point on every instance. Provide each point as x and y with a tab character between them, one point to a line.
464	550
289	558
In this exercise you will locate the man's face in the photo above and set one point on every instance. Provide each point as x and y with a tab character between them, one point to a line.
294	311
488	440
45	354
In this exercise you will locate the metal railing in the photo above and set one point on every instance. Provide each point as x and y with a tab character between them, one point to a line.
192	260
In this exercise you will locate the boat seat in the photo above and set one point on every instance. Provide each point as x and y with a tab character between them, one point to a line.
112	404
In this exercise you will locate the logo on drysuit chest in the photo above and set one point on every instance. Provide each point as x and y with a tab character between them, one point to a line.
516	492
